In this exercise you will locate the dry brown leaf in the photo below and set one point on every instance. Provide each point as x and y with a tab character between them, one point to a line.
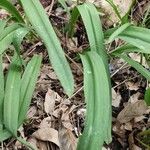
132	85
31	112
131	111
128	126
46	123
65	118
134	98
116	98
47	134
67	139
37	143
50	99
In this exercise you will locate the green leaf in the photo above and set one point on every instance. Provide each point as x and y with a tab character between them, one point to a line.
126	48
115	9
136	36
31	147
98	98
136	65
17	39
11	9
43	27
2	26
147	97
4	135
28	82
108	32
118	31
90	17
6	37
92	23
11	98
63	3
1	93
74	17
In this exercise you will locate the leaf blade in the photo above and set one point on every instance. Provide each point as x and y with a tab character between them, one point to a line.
28	82
143	71
11	98
98	110
45	30
5	4
1	93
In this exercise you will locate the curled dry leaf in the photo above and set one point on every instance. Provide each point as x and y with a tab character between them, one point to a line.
67	140
50	99
37	143
65	118
47	134
116	98
131	111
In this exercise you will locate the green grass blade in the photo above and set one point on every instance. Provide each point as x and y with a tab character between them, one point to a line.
6	37
17	39
4	135
90	17
11	98
115	9
143	71
147	97
2	26
11	9
43	27
92	23
118	31
125	18
126	48
28	82
1	93
98	99
136	36
74	17
26	144
64	5
109	32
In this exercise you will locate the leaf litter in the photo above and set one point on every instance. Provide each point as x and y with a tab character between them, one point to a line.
55	122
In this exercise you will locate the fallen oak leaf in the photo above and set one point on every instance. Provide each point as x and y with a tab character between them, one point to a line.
50	98
131	111
47	134
67	139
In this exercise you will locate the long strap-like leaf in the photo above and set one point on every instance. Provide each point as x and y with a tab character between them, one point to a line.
98	99
136	36
1	93
93	27
95	72
28	82
39	20
2	25
6	37
135	65
4	135
19	34
11	9
11	98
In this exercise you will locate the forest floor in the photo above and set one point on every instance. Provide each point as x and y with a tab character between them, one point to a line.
54	120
